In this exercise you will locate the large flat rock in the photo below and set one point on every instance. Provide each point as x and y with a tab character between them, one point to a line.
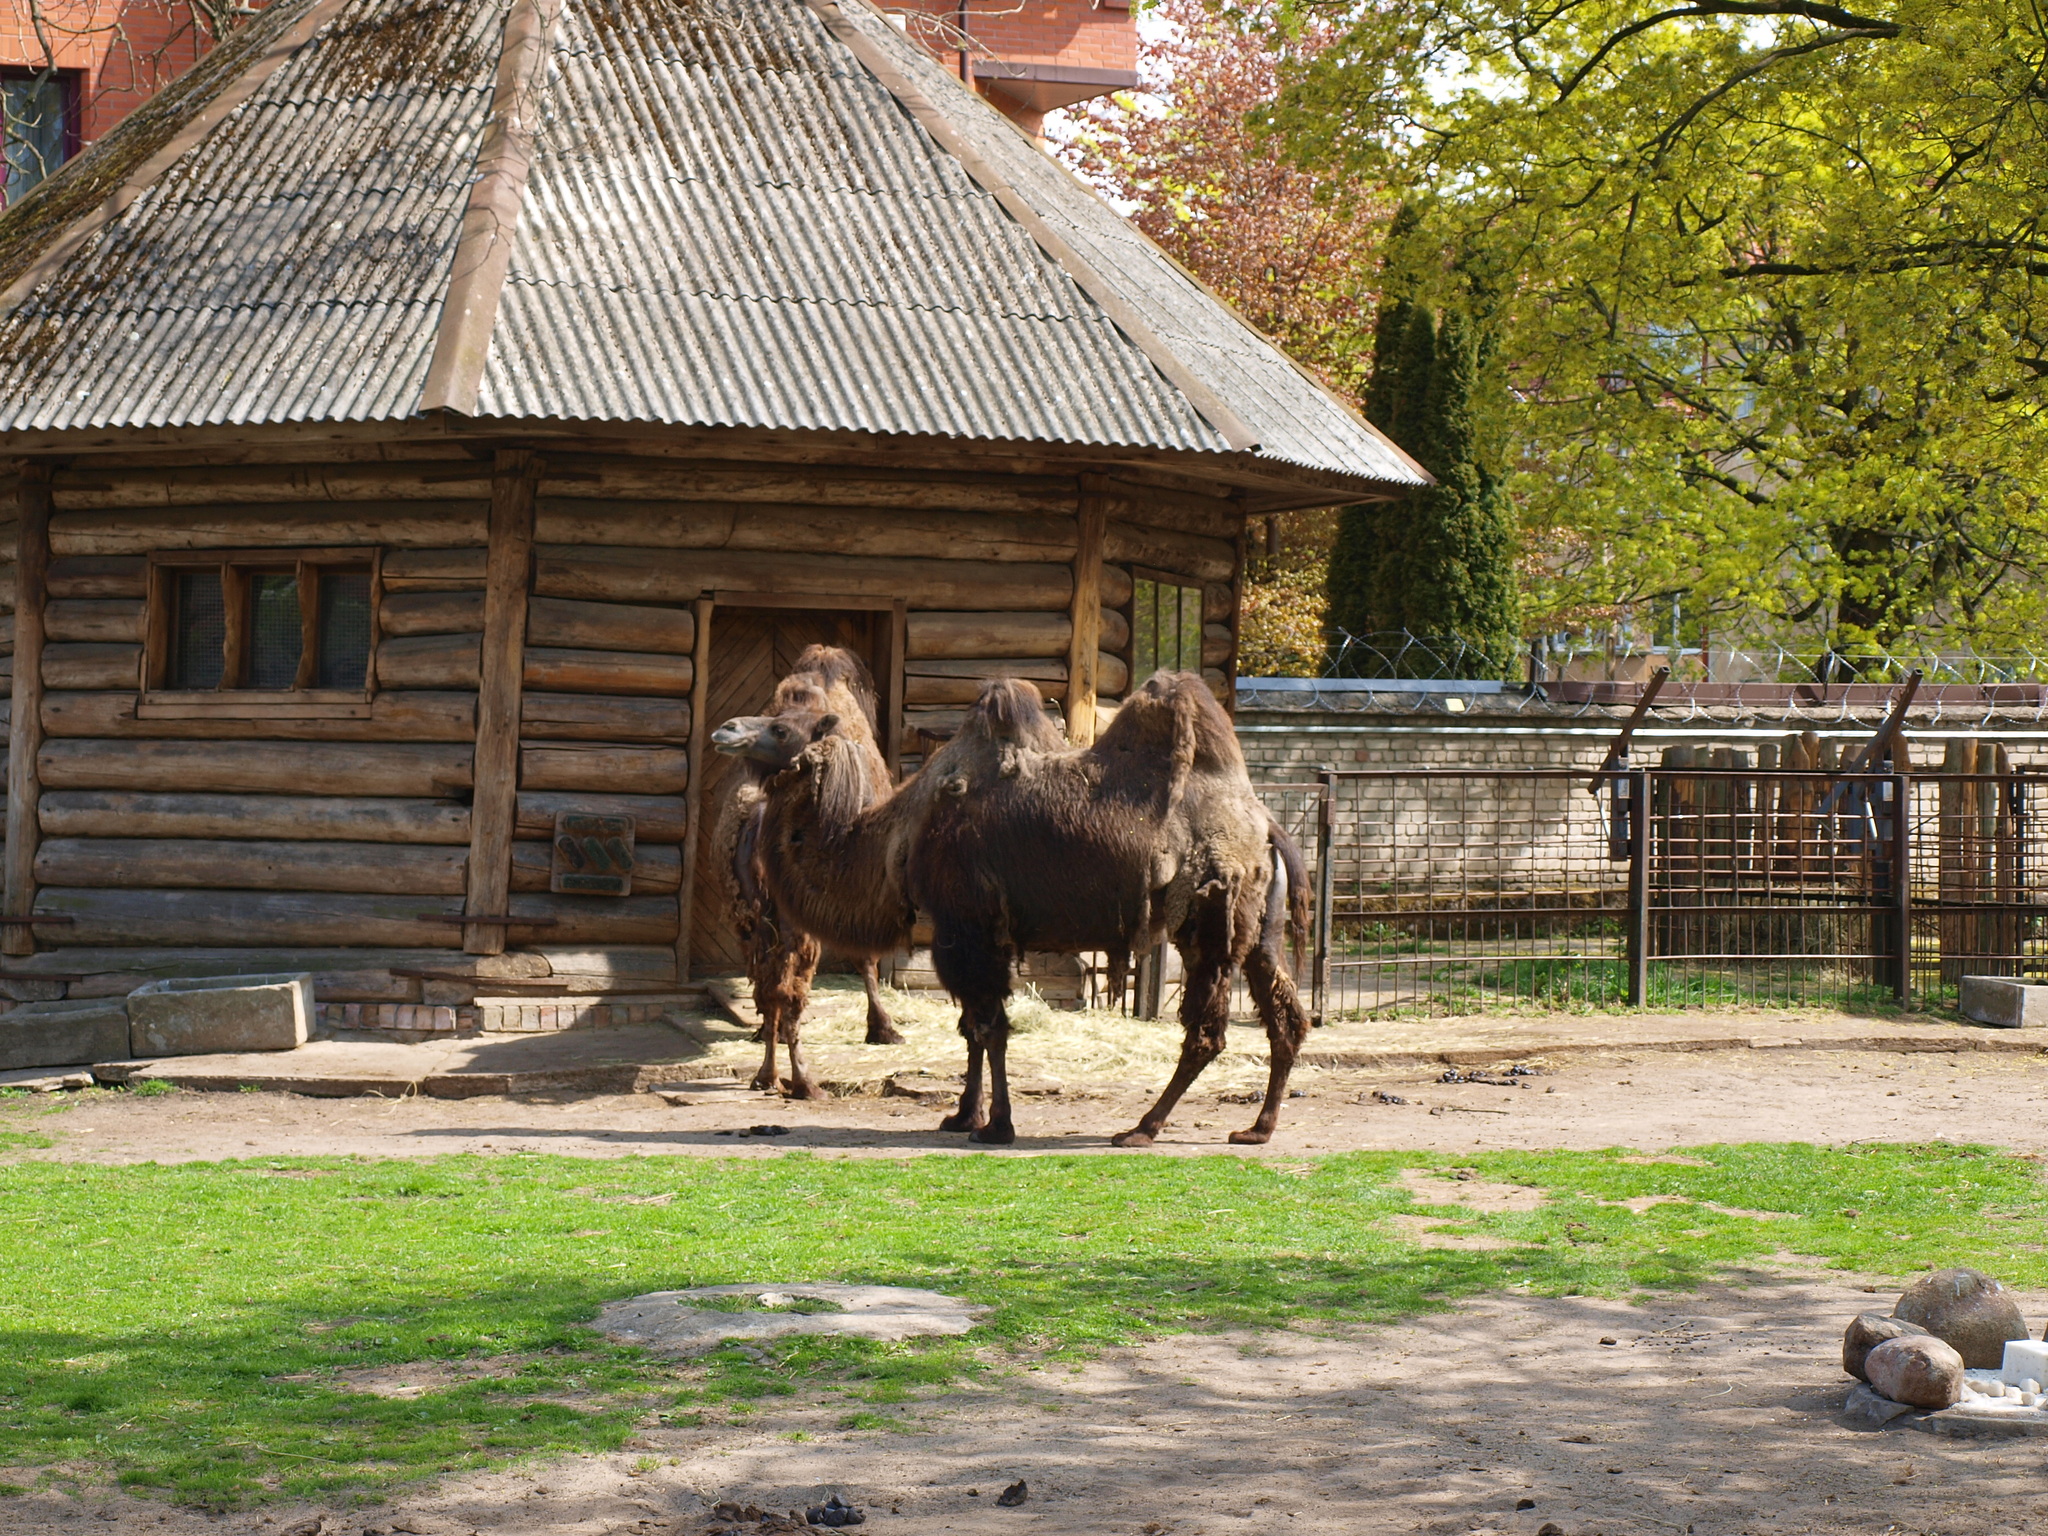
683	1322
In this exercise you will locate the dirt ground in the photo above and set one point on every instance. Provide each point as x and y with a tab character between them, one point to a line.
1649	1101
1715	1414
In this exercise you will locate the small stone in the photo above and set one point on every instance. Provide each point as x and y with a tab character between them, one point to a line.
1866	1332
1610	1341
1866	1405
2031	1385
1014	1495
1922	1371
1525	1504
1968	1310
1550	1528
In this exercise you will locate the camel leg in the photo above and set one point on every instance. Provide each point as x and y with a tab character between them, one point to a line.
1204	945
771	1012
1286	1027
994	1027
881	1029
800	1084
968	1116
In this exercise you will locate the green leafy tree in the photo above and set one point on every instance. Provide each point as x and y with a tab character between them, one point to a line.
1769	292
1438	565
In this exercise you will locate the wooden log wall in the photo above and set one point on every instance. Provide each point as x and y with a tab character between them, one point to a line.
280	832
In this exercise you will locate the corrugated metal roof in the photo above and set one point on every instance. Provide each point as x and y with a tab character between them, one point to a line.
728	220
291	265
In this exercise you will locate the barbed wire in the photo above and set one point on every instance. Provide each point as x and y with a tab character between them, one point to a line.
1960	688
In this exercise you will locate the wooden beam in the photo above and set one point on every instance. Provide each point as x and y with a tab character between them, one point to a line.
693	791
515	480
25	728
1085	614
895	652
483	254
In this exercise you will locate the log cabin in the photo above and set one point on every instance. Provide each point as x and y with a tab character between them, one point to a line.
421	422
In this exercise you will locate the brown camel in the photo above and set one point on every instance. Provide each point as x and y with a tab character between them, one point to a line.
1010	843
782	959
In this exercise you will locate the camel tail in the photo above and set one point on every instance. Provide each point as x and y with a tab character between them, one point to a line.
1294	869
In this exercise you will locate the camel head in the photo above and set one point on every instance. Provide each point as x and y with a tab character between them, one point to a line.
772	741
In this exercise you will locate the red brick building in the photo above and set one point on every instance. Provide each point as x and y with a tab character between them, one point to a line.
1031	56
71	69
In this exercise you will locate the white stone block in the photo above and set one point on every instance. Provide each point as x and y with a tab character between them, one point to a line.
2025	1360
212	1015
2005	1002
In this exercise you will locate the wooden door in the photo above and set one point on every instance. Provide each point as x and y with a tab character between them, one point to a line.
752	649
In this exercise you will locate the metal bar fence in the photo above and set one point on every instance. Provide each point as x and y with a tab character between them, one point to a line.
1451	891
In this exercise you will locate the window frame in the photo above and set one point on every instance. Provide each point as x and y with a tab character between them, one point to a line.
231	700
1159	578
71	89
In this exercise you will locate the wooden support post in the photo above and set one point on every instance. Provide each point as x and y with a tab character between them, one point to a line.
1091	520
693	791
1236	612
25	732
895	649
1326	895
508	566
1638	940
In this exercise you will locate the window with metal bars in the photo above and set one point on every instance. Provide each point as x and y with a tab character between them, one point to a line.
1166	628
256	624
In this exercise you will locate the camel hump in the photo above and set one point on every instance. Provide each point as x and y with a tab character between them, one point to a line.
1010	711
1175	712
836	674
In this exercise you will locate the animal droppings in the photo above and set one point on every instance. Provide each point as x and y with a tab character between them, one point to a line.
1014	1495
835	1511
1379	1096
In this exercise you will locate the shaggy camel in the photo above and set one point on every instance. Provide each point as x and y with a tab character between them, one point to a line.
1009	843
781	958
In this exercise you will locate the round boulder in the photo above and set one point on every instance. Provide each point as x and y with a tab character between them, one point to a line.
1968	1310
1917	1369
1869	1330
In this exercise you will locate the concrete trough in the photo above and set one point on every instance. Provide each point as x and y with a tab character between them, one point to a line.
62	1034
220	1015
2005	1002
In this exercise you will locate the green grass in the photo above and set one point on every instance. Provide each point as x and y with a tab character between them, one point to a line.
180	1328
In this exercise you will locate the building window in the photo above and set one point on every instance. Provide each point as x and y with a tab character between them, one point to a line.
1166	627
253	624
41	116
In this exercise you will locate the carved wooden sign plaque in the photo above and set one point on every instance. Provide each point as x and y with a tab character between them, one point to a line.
593	855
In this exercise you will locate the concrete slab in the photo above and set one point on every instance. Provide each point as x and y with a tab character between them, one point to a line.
2004	1002
631	1060
216	1015
62	1034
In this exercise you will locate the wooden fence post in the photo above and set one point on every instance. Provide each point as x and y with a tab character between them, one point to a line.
1639	887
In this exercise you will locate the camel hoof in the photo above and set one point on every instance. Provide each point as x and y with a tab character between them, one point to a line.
807	1091
994	1135
962	1123
884	1033
1251	1138
764	1083
1132	1138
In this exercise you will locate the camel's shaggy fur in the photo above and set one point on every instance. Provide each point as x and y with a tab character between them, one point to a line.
1009	842
781	959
